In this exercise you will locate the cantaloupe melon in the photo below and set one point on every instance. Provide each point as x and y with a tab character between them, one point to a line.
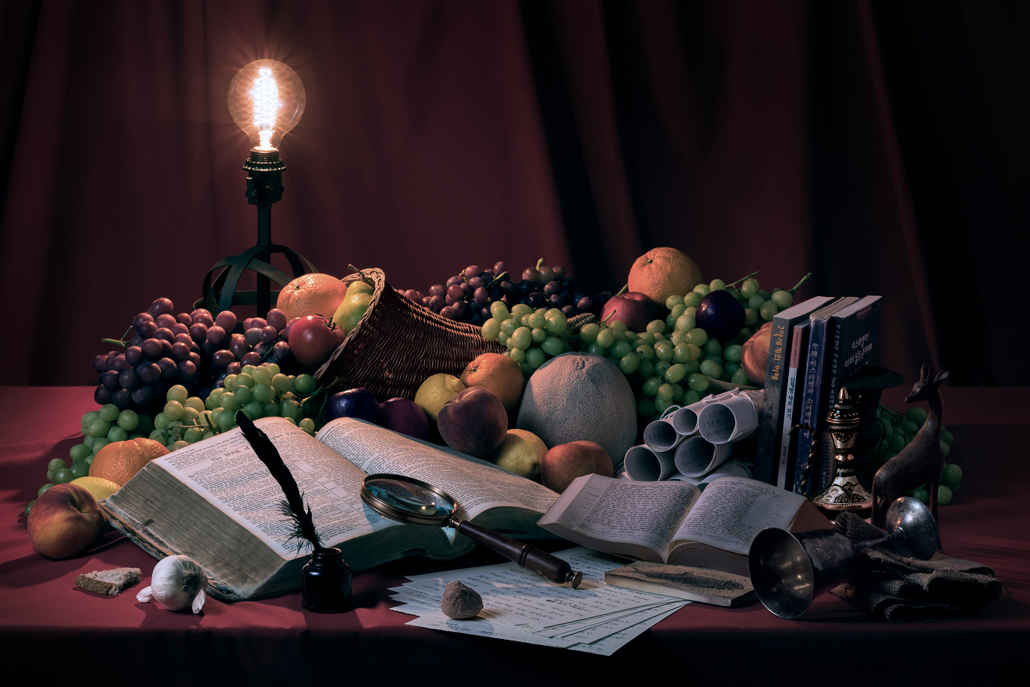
580	397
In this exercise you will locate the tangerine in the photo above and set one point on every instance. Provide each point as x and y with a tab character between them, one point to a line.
663	272
121	460
498	373
311	294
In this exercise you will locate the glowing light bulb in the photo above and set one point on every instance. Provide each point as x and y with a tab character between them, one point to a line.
266	100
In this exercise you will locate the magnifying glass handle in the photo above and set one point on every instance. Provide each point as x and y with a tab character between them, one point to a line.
525	555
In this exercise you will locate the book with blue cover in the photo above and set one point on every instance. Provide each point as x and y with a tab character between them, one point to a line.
854	335
766	454
820	340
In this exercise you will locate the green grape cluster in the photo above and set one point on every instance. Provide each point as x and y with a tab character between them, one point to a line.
258	391
680	359
898	430
531	336
99	428
759	306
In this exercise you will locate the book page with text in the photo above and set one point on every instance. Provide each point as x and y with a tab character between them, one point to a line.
615	510
225	470
733	510
475	484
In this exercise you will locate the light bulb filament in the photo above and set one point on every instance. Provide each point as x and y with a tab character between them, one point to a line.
266	105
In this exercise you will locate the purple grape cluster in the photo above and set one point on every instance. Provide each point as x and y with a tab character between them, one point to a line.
194	349
466	297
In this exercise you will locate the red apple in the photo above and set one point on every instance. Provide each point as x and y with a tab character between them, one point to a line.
566	462
634	309
473	422
65	521
312	341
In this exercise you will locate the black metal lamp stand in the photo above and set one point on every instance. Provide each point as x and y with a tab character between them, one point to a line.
264	187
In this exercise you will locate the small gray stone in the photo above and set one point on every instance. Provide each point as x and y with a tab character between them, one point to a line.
461	601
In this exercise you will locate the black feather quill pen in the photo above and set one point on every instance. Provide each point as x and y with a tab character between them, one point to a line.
293	506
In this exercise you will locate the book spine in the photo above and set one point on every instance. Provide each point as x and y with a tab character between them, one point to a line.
790	401
765	465
814	380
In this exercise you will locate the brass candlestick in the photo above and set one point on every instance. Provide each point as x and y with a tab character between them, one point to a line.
845	493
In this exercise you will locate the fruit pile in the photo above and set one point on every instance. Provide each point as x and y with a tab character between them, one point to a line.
469	295
196	350
898	430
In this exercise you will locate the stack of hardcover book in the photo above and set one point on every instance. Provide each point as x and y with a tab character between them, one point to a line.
814	346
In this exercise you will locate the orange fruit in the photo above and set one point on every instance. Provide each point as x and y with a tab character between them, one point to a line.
498	373
311	294
663	272
434	393
120	461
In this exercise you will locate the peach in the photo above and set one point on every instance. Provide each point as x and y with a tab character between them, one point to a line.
65	521
566	462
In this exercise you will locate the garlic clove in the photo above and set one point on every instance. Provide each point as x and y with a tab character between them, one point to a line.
145	595
198	602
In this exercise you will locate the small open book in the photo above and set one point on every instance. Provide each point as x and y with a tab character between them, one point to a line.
217	503
675	522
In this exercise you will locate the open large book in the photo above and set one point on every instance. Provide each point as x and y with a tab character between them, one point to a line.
217	503
674	522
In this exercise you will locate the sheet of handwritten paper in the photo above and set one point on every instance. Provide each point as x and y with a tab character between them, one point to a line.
519	605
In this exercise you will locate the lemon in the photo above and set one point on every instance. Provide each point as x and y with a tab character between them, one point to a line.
99	487
436	391
521	453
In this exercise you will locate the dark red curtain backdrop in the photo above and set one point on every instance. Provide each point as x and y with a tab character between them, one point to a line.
881	146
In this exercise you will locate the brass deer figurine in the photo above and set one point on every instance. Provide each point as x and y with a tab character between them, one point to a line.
922	460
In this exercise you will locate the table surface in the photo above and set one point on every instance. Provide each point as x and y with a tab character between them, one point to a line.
59	631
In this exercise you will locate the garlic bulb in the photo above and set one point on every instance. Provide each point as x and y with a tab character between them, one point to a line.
177	583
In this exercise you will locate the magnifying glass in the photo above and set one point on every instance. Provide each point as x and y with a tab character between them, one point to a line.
417	503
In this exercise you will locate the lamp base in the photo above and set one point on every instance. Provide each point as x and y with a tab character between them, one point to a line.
220	287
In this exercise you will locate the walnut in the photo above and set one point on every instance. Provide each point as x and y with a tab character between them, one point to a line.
461	601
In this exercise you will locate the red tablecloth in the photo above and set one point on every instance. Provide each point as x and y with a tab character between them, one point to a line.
53	631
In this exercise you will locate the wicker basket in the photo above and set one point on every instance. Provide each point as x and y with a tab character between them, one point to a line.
398	344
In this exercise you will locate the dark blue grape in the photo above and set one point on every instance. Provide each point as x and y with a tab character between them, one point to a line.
168	368
585	304
134	355
122	398
280	353
568	283
149	372
536	299
110	380
151	348
508	286
476	319
128	379
551	288
485	313
569	311
102	395
556	301
180	351
459	309
143	396
100	364
186	370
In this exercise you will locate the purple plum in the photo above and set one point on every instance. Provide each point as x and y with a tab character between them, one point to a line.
404	416
357	403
